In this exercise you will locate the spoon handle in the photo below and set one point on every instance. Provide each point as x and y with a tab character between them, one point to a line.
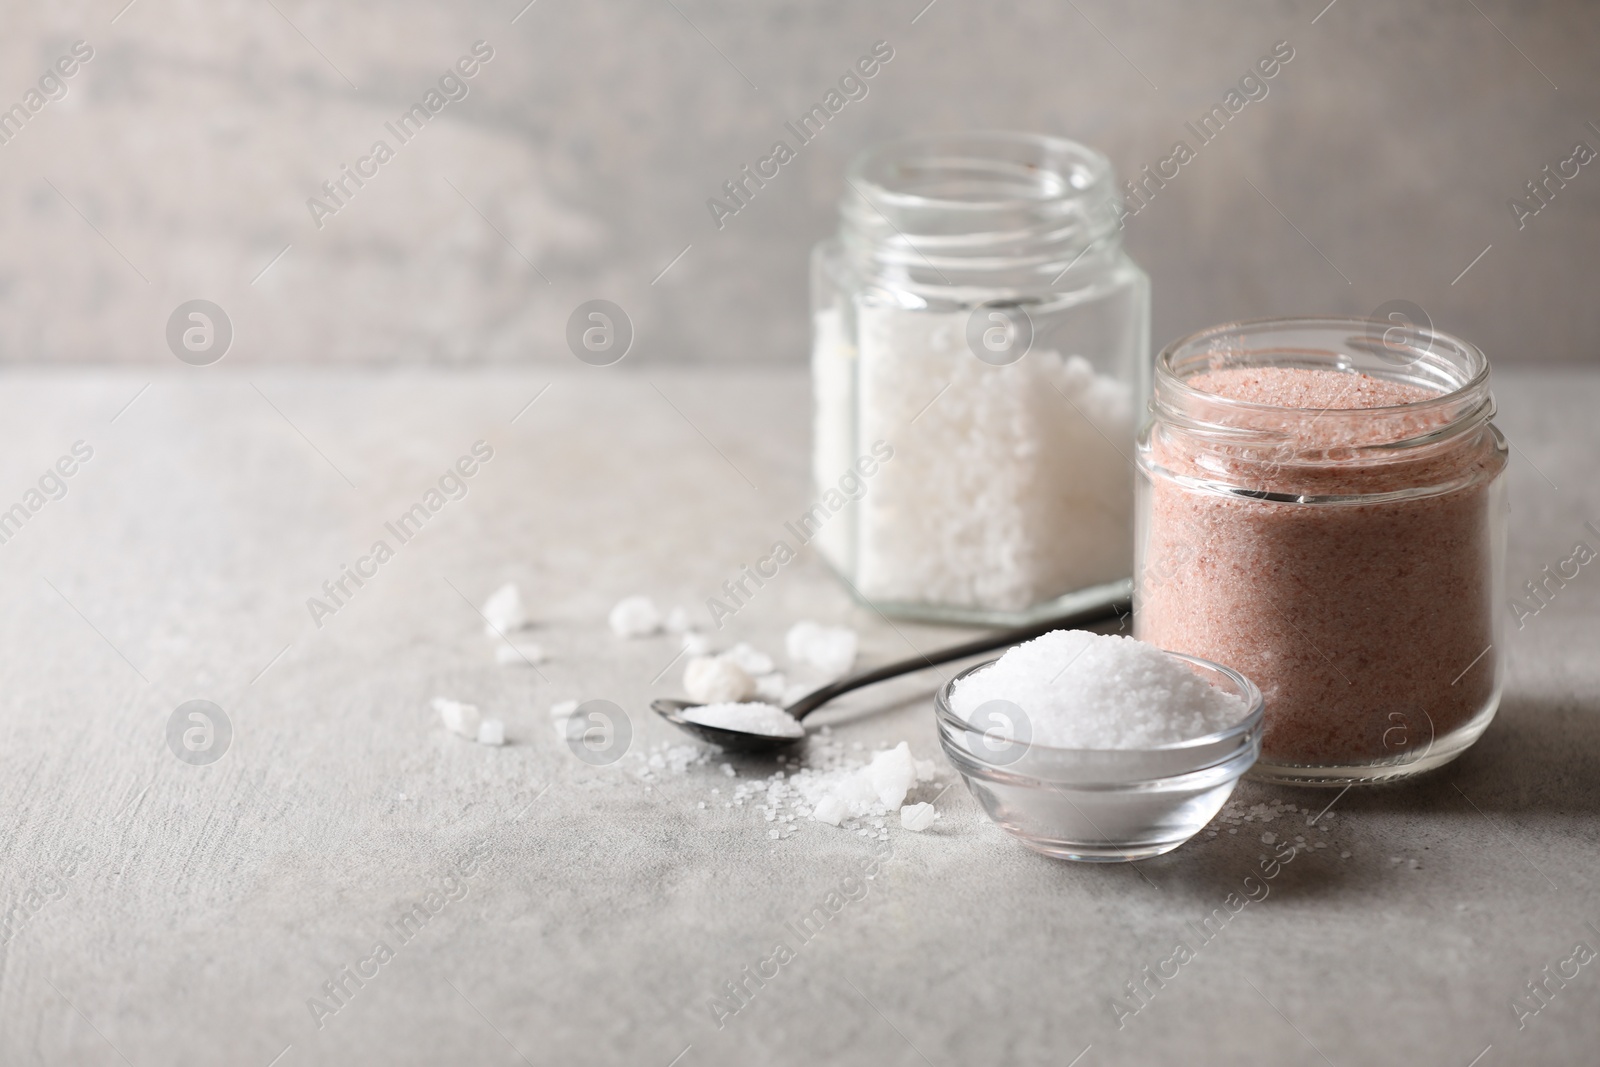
1088	616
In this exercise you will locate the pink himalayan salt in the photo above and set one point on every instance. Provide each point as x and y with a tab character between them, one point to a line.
1342	614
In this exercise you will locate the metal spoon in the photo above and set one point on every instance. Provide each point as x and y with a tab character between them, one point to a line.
742	741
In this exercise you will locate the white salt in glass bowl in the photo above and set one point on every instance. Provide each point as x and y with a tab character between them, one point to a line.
1101	805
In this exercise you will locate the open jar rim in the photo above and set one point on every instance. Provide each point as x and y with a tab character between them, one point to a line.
958	208
1455	370
980	171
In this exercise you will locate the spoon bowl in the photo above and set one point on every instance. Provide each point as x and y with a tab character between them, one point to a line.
728	740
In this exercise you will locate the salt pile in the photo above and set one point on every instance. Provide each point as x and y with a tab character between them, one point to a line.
751	718
1083	690
825	784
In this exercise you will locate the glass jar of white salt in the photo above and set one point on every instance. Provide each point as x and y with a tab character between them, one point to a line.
979	362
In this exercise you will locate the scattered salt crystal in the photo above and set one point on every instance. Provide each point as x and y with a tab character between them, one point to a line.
1099	691
635	616
830	650
696	644
503	611
1344	855
830	809
772	687
714	680
893	773
519	654
917	817
677	621
925	769
491	732
1267	839
754	718
563	709
458	718
751	660
728	771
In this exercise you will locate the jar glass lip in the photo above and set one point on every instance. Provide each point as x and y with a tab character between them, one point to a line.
980	170
1456	369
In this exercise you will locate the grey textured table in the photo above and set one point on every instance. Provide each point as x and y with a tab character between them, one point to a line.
162	913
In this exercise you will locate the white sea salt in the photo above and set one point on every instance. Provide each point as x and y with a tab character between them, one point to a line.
829	650
459	718
918	817
563	709
677	621
877	788
715	680
696	644
503	611
491	732
635	616
1099	691
753	718
1007	489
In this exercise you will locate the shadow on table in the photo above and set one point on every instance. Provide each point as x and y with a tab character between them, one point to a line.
1536	767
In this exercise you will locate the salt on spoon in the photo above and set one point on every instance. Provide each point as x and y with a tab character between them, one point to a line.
752	717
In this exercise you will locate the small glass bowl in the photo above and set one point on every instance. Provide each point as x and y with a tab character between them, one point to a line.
1103	805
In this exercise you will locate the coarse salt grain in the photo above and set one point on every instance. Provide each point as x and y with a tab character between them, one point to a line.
635	616
696	644
918	817
714	680
459	718
1099	691
562	709
503	611
752	718
491	732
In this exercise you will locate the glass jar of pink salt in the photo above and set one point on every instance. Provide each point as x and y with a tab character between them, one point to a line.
1321	507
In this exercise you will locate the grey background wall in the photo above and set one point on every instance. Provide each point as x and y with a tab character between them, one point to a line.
180	160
